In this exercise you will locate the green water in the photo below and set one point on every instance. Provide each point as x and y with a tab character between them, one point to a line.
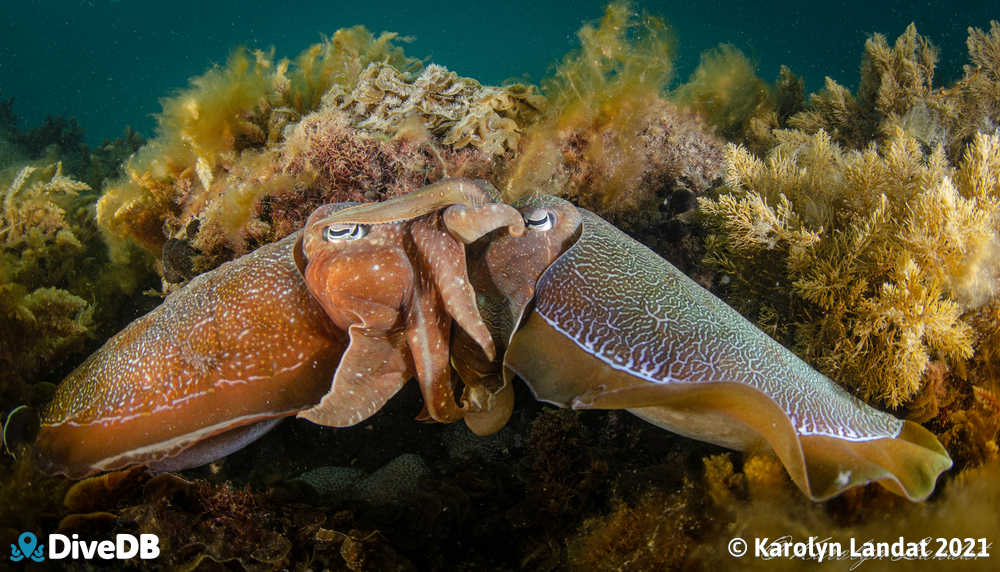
108	62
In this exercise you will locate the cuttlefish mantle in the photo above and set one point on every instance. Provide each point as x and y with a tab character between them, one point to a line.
204	373
614	326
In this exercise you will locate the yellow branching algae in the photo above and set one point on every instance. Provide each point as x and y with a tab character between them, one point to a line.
609	139
51	293
250	148
897	91
226	113
37	242
339	61
893	79
35	201
882	252
867	236
964	509
726	91
651	534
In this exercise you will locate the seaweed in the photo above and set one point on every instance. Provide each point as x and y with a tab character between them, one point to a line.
881	252
869	245
56	280
225	117
893	80
726	91
251	148
41	322
608	138
457	110
897	91
655	533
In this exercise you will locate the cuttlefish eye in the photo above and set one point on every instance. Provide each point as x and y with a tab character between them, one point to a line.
539	219
344	232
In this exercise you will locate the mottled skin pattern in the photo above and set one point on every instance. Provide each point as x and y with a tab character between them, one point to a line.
235	346
614	326
395	282
648	319
446	280
211	368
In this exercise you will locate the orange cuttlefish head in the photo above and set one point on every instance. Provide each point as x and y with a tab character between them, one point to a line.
393	276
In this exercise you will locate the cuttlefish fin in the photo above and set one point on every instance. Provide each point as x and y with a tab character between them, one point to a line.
371	371
821	466
891	462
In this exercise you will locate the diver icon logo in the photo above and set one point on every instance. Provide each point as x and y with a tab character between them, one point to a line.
26	548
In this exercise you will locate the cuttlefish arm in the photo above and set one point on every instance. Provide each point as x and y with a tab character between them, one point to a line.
393	275
503	268
614	326
203	374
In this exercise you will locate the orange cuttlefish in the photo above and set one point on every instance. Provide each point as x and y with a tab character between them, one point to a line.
221	360
452	287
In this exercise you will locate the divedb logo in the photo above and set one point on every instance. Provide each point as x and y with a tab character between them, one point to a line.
60	547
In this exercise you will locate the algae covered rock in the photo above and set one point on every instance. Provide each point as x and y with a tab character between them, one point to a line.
458	110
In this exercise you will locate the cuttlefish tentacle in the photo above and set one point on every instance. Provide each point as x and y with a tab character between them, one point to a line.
442	294
503	272
433	197
428	336
402	259
488	404
469	224
241	345
615	326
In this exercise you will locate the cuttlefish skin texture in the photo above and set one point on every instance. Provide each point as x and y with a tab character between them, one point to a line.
503	270
396	287
616	326
240	347
235	347
330	323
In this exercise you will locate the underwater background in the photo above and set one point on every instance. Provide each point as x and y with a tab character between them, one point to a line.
855	219
107	63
